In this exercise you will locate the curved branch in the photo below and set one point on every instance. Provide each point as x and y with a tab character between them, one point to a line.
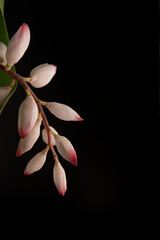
21	81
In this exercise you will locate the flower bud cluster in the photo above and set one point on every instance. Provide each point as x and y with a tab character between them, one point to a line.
30	112
29	124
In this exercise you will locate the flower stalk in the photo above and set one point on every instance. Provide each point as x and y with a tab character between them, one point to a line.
28	90
31	114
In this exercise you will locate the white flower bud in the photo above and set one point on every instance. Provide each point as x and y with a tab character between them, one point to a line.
36	163
66	149
45	136
27	116
42	75
4	93
27	143
18	45
59	177
3	50
63	111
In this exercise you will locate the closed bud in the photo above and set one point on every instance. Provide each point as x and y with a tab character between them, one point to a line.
3	50
42	75
63	111
27	143
36	163
18	45
27	116
45	136
66	149
59	177
4	93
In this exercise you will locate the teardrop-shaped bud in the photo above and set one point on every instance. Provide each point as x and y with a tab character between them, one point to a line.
27	116
66	149
3	50
25	144
36	163
45	136
63	111
59	177
18	45
4	93
42	75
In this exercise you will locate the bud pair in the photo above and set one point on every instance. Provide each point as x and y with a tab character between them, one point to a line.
59	176
27	142
63	145
39	76
16	47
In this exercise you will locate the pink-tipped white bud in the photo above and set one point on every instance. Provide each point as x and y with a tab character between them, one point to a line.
4	93
18	45
63	111
27	143
66	149
27	116
3	50
36	163
42	75
45	136
59	177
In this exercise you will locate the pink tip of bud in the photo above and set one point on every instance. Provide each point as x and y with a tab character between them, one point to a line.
27	173
22	133
24	26
18	153
74	158
79	119
62	193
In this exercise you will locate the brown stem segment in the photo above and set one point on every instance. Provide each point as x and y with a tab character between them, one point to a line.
20	80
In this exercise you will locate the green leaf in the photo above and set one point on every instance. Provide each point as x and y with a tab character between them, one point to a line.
2	6
5	80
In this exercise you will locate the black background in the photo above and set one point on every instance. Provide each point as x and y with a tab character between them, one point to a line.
94	47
